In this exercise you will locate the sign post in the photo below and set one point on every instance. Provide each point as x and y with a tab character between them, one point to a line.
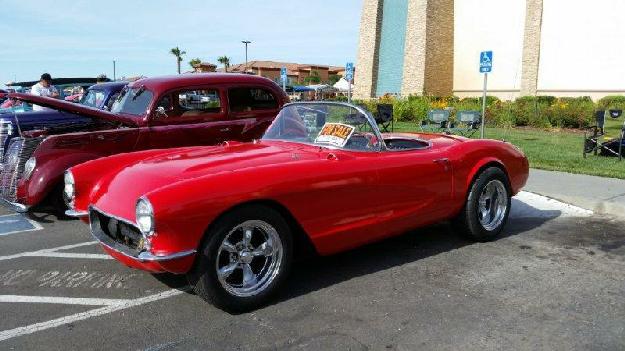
349	76
283	77
486	65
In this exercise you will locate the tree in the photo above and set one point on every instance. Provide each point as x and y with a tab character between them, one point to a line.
224	60
333	78
178	53
313	78
194	62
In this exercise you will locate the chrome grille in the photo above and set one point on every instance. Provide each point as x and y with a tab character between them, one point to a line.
6	128
18	152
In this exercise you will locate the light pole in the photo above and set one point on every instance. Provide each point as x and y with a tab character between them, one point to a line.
246	42
114	78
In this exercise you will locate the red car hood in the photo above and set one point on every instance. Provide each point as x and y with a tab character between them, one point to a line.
71	107
119	192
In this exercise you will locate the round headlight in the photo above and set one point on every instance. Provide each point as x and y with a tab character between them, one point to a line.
29	167
145	217
69	189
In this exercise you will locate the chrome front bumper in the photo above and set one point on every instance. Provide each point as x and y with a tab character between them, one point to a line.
77	214
124	250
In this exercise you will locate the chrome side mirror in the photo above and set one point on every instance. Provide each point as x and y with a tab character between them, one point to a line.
160	112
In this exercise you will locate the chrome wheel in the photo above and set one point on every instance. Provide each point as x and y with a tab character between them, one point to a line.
492	205
249	258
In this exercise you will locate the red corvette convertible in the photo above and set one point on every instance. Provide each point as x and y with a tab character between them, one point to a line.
234	216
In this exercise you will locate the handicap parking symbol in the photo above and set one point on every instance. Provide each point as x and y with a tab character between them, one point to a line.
16	223
486	61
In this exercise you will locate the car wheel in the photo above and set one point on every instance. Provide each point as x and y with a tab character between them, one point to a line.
244	259
487	206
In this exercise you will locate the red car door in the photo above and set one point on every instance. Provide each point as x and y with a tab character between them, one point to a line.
186	117
251	111
415	187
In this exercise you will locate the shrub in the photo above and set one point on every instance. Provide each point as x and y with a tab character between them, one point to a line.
611	102
571	112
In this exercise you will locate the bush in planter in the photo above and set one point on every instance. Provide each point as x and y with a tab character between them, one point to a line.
500	114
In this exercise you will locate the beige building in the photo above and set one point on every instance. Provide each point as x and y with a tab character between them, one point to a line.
540	47
296	72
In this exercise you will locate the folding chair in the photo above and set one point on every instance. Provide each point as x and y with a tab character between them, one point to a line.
596	142
437	121
384	116
469	122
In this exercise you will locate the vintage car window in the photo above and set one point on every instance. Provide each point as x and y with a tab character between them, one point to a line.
199	100
249	99
325	124
133	101
93	98
109	104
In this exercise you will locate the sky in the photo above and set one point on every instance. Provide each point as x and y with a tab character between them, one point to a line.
82	38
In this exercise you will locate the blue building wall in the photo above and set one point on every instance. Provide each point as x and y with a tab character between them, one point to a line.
391	47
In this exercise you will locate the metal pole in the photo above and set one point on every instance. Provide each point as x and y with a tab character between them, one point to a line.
349	91
114	78
483	106
246	42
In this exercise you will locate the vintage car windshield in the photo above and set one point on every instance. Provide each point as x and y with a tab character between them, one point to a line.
133	101
93	98
324	124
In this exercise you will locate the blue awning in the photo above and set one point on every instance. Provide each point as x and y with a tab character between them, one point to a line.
302	88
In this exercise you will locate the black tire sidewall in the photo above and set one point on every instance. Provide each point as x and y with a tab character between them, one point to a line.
473	226
204	275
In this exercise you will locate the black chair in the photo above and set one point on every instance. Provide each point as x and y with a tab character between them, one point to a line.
384	116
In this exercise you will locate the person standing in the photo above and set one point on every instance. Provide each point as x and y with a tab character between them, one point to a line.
44	88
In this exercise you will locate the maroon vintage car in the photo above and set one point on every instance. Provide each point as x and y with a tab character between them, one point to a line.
152	113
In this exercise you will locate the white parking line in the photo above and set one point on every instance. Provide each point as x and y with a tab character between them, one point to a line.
12	333
62	300
71	255
44	251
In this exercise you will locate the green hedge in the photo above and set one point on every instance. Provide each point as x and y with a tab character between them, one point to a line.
533	111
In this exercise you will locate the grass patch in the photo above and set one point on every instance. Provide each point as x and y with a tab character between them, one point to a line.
554	150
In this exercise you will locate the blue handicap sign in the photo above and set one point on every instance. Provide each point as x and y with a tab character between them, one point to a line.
283	74
349	71
486	61
15	223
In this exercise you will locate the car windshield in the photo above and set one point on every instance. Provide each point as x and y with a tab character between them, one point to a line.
333	125
134	101
93	98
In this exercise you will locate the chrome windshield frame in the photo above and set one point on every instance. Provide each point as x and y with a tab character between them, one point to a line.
370	119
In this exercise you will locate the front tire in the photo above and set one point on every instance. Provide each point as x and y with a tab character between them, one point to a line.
244	259
487	207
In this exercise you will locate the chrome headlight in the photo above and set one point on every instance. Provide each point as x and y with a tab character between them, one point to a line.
145	217
69	190
29	167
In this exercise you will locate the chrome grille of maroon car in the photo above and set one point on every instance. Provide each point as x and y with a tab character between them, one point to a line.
18	152
5	130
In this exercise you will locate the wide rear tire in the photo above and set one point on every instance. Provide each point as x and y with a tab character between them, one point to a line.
487	206
244	259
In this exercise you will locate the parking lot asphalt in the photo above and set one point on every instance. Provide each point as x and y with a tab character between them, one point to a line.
554	280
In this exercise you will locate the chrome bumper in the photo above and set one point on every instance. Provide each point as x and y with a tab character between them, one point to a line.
15	206
142	256
78	214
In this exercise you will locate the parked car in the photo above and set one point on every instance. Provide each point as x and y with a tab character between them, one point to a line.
233	217
147	114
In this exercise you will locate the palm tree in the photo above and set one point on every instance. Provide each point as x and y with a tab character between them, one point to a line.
176	52
194	62
224	60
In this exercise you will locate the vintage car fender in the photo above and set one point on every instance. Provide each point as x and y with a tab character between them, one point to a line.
53	160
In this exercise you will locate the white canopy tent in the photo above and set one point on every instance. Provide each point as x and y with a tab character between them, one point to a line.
342	85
